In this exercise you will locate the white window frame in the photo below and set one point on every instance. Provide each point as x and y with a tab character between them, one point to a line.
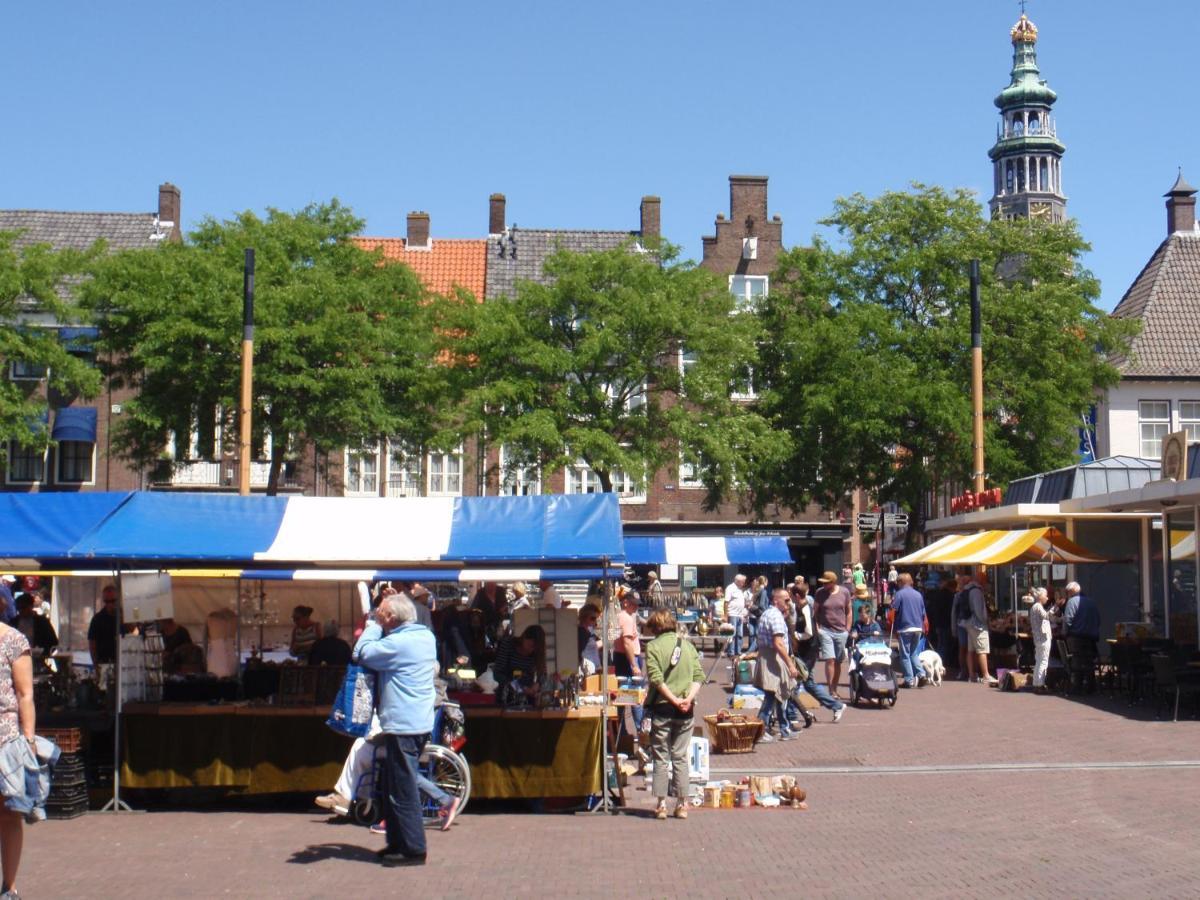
747	299
8	457
1191	421
636	400
521	481
447	488
580	479
13	376
689	474
1151	448
58	479
356	486
751	393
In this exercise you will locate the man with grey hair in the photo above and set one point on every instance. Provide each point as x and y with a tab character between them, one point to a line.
1081	623
403	653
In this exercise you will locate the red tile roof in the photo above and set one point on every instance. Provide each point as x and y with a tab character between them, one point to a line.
445	264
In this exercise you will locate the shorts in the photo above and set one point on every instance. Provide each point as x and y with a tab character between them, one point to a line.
832	643
977	640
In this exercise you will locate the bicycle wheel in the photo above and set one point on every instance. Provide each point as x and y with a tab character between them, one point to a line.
448	771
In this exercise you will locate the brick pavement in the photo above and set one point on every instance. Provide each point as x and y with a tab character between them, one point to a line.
1038	833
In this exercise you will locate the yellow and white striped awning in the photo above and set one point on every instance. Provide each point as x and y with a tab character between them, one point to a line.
995	548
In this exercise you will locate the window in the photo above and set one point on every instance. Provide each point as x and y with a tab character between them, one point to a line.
362	471
635	395
1154	422
445	474
25	464
21	370
580	479
748	289
76	462
689	471
516	480
743	386
404	471
1189	419
1008	177
1035	127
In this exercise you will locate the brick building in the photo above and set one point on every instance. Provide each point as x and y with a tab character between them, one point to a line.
79	457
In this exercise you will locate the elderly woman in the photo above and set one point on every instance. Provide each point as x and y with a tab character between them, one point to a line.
675	675
16	724
1041	625
777	674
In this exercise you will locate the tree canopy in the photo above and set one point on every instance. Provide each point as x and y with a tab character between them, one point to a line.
586	367
33	279
870	382
342	341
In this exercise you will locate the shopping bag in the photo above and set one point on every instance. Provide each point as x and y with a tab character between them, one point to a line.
354	704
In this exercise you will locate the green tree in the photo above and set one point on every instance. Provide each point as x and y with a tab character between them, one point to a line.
871	381
586	367
33	280
342	342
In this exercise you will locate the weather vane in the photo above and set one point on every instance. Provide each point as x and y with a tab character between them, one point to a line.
1022	3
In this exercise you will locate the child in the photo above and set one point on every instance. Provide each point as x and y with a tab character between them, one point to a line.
866	628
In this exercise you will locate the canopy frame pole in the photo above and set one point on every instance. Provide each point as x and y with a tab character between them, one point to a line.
116	804
238	637
1195	567
605	767
1166	573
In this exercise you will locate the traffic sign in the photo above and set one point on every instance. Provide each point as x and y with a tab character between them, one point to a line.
895	520
868	521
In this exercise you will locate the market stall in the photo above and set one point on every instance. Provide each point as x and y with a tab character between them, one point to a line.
324	542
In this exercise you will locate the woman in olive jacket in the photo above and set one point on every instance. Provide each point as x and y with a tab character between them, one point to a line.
675	675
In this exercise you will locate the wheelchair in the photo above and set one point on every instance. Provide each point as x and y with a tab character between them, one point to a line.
440	762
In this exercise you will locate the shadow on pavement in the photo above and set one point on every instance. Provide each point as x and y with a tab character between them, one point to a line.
321	852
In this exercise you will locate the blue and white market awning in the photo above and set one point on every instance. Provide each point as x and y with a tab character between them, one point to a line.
706	550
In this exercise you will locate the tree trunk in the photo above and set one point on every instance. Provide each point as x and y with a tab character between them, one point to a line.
277	451
605	480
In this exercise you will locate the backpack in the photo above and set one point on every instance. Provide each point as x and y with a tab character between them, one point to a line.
963	599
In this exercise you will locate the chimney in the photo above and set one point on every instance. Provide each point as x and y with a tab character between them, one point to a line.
1181	206
496	214
651	217
748	201
418	231
169	210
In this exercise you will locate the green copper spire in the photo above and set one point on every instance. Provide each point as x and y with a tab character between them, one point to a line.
1027	154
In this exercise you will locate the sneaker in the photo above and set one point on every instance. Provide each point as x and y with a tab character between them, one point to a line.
334	802
837	714
681	811
809	719
796	724
379	827
790	736
393	860
989	680
766	739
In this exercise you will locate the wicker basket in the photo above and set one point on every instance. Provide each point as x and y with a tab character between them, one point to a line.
734	734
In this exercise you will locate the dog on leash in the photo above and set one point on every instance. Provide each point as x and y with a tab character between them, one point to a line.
931	662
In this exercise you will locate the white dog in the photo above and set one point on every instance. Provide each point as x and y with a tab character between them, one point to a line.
931	662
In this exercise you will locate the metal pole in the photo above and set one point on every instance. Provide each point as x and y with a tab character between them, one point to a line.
1166	573
977	377
116	804
606	804
247	372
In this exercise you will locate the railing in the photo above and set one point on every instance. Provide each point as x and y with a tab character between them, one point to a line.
208	473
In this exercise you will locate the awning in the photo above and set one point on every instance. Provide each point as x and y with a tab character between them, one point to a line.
706	550
536	533
46	526
994	548
75	423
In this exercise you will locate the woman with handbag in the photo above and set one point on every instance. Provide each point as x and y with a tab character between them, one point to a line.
675	675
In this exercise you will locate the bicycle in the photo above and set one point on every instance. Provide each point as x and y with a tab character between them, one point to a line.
439	762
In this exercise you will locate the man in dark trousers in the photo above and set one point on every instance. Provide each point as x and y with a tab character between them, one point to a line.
1081	622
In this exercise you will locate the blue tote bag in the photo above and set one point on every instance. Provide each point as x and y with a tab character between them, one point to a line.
355	703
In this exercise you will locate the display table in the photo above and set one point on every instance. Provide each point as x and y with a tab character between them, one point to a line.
249	749
534	754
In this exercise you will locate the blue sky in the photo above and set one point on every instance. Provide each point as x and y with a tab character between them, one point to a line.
574	110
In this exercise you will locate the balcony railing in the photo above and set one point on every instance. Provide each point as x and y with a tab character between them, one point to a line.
209	473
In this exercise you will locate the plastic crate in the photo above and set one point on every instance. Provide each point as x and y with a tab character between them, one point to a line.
68	809
62	793
68	740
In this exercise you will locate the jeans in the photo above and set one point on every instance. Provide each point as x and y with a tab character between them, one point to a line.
735	643
822	694
670	741
771	705
430	789
624	670
910	644
405	827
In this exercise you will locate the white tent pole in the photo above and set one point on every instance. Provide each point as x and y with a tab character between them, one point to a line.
116	804
604	690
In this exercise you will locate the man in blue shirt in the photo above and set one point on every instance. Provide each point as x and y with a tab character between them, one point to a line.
404	654
1081	622
908	606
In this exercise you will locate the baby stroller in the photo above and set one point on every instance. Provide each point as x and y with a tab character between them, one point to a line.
871	675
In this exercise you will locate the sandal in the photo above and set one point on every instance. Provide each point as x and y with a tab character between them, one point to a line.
680	812
661	812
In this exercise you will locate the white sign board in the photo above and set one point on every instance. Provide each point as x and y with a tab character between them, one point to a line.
146	597
670	572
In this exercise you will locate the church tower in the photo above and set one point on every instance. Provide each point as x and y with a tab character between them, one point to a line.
1027	155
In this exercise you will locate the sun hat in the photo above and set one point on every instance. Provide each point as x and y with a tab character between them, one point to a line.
861	591
828	578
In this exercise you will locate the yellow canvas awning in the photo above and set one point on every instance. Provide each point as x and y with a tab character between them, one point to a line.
995	548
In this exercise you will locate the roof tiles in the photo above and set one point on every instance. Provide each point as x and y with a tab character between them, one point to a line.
79	230
1166	298
444	265
520	254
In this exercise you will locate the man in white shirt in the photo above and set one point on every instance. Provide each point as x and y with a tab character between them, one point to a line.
550	598
736	598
